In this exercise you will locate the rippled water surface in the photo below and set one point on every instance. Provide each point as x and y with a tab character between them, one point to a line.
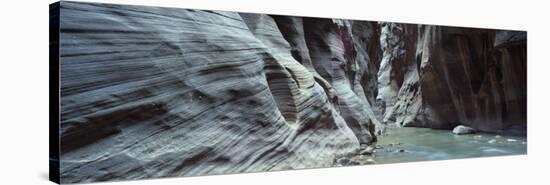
422	144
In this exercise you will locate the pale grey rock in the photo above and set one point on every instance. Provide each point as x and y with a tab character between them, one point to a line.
159	92
398	75
461	129
370	161
332	51
389	78
367	151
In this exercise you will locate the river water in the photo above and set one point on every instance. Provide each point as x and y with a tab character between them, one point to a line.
409	144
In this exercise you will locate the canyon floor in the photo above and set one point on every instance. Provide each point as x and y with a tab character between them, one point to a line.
410	144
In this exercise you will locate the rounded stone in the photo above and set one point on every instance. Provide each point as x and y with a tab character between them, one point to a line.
343	161
461	129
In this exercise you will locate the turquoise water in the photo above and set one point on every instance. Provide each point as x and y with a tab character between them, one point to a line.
422	144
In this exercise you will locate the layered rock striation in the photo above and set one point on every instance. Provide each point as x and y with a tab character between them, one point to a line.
157	92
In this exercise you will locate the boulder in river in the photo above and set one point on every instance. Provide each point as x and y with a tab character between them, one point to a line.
461	129
367	151
353	163
370	161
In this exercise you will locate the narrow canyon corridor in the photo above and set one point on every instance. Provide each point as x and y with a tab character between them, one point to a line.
150	92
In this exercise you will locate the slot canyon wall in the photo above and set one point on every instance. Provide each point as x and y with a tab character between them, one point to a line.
440	77
154	92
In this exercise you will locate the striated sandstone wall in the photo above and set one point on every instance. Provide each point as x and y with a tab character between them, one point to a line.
155	92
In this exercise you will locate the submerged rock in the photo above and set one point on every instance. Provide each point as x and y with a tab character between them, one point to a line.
370	161
343	161
461	129
353	163
367	151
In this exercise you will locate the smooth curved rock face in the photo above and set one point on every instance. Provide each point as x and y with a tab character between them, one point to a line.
160	92
156	92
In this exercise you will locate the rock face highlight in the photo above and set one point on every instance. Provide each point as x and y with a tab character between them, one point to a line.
461	129
150	92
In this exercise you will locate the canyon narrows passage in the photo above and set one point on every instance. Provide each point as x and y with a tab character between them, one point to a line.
151	92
